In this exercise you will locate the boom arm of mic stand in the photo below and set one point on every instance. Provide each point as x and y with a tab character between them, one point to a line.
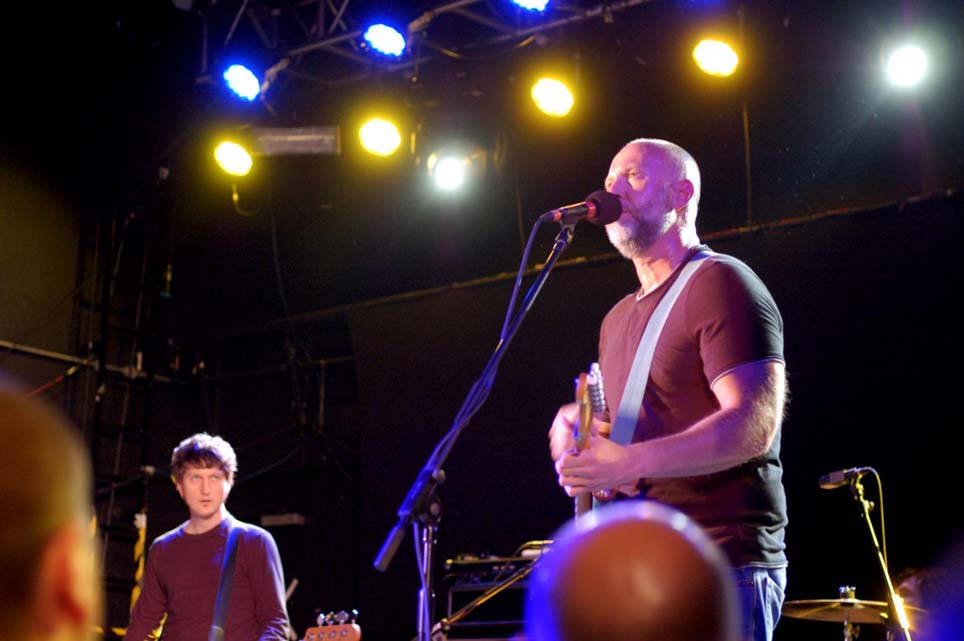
416	501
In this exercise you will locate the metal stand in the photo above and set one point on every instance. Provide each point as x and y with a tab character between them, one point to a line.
896	605
417	508
426	535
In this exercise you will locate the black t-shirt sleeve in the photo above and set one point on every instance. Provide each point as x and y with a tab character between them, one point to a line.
733	316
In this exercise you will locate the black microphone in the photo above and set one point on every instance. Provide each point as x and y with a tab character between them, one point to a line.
842	477
599	208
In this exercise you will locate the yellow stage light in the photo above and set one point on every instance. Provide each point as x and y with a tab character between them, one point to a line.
233	158
715	58
552	97
379	137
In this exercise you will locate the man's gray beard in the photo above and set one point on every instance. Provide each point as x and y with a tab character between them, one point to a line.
640	237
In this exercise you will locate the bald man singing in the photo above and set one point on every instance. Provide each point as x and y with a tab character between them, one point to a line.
49	576
705	436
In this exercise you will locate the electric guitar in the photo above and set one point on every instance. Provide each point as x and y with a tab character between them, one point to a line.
334	626
591	399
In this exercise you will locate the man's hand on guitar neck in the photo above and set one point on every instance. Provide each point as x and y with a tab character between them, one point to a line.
601	466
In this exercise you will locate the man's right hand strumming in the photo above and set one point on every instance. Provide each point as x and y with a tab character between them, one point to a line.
561	439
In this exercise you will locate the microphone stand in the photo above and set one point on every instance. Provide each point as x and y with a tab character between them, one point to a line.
897	606
421	508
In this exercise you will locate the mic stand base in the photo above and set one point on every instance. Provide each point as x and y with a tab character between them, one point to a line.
426	533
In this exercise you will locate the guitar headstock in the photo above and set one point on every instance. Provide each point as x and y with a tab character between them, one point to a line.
584	401
335	626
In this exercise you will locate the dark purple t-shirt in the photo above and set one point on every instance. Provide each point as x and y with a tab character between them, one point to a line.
181	578
724	317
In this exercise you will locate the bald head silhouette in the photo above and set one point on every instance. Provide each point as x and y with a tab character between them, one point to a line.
49	578
632	571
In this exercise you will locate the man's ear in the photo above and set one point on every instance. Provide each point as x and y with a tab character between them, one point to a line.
65	596
683	191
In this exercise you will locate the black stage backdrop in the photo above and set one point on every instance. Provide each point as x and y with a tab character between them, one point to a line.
871	312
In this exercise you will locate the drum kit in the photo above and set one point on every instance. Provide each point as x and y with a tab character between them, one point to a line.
851	612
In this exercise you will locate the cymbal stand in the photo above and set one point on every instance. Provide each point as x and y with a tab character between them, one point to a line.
850	631
896	605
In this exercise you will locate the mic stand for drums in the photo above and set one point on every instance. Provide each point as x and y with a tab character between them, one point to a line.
421	508
896	604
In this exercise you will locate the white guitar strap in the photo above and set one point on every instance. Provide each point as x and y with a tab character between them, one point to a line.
632	400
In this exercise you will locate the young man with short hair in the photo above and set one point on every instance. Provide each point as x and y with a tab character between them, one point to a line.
183	567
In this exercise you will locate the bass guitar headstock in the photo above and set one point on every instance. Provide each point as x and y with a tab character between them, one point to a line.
335	626
584	426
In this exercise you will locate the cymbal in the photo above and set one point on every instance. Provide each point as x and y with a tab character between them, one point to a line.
847	611
839	610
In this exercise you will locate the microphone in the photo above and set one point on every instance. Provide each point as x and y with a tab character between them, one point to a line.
599	208
842	477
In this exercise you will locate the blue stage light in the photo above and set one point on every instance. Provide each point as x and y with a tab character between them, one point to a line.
532	5
385	39
242	81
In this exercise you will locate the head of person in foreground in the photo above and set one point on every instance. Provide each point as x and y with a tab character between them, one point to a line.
49	573
632	571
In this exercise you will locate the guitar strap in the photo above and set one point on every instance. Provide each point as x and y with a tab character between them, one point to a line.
632	400
224	583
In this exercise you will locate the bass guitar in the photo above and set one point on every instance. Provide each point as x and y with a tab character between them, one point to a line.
335	626
591	400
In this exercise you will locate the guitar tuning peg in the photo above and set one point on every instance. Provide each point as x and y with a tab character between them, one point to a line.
354	615
341	617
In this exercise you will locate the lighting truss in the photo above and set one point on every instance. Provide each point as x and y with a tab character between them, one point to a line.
319	42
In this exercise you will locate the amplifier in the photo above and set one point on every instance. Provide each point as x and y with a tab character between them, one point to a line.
469	577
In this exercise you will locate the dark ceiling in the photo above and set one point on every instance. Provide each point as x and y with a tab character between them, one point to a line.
102	97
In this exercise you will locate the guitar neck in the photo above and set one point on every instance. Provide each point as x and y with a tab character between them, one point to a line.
583	503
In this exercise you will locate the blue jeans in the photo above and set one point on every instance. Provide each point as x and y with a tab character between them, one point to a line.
761	595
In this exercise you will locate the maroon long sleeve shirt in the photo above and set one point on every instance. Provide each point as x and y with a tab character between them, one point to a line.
181	578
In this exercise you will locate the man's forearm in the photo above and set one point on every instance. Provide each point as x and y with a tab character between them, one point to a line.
743	429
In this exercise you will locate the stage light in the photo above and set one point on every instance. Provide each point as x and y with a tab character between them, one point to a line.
906	66
385	39
233	158
448	172
552	97
242	81
532	5
380	137
715	58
